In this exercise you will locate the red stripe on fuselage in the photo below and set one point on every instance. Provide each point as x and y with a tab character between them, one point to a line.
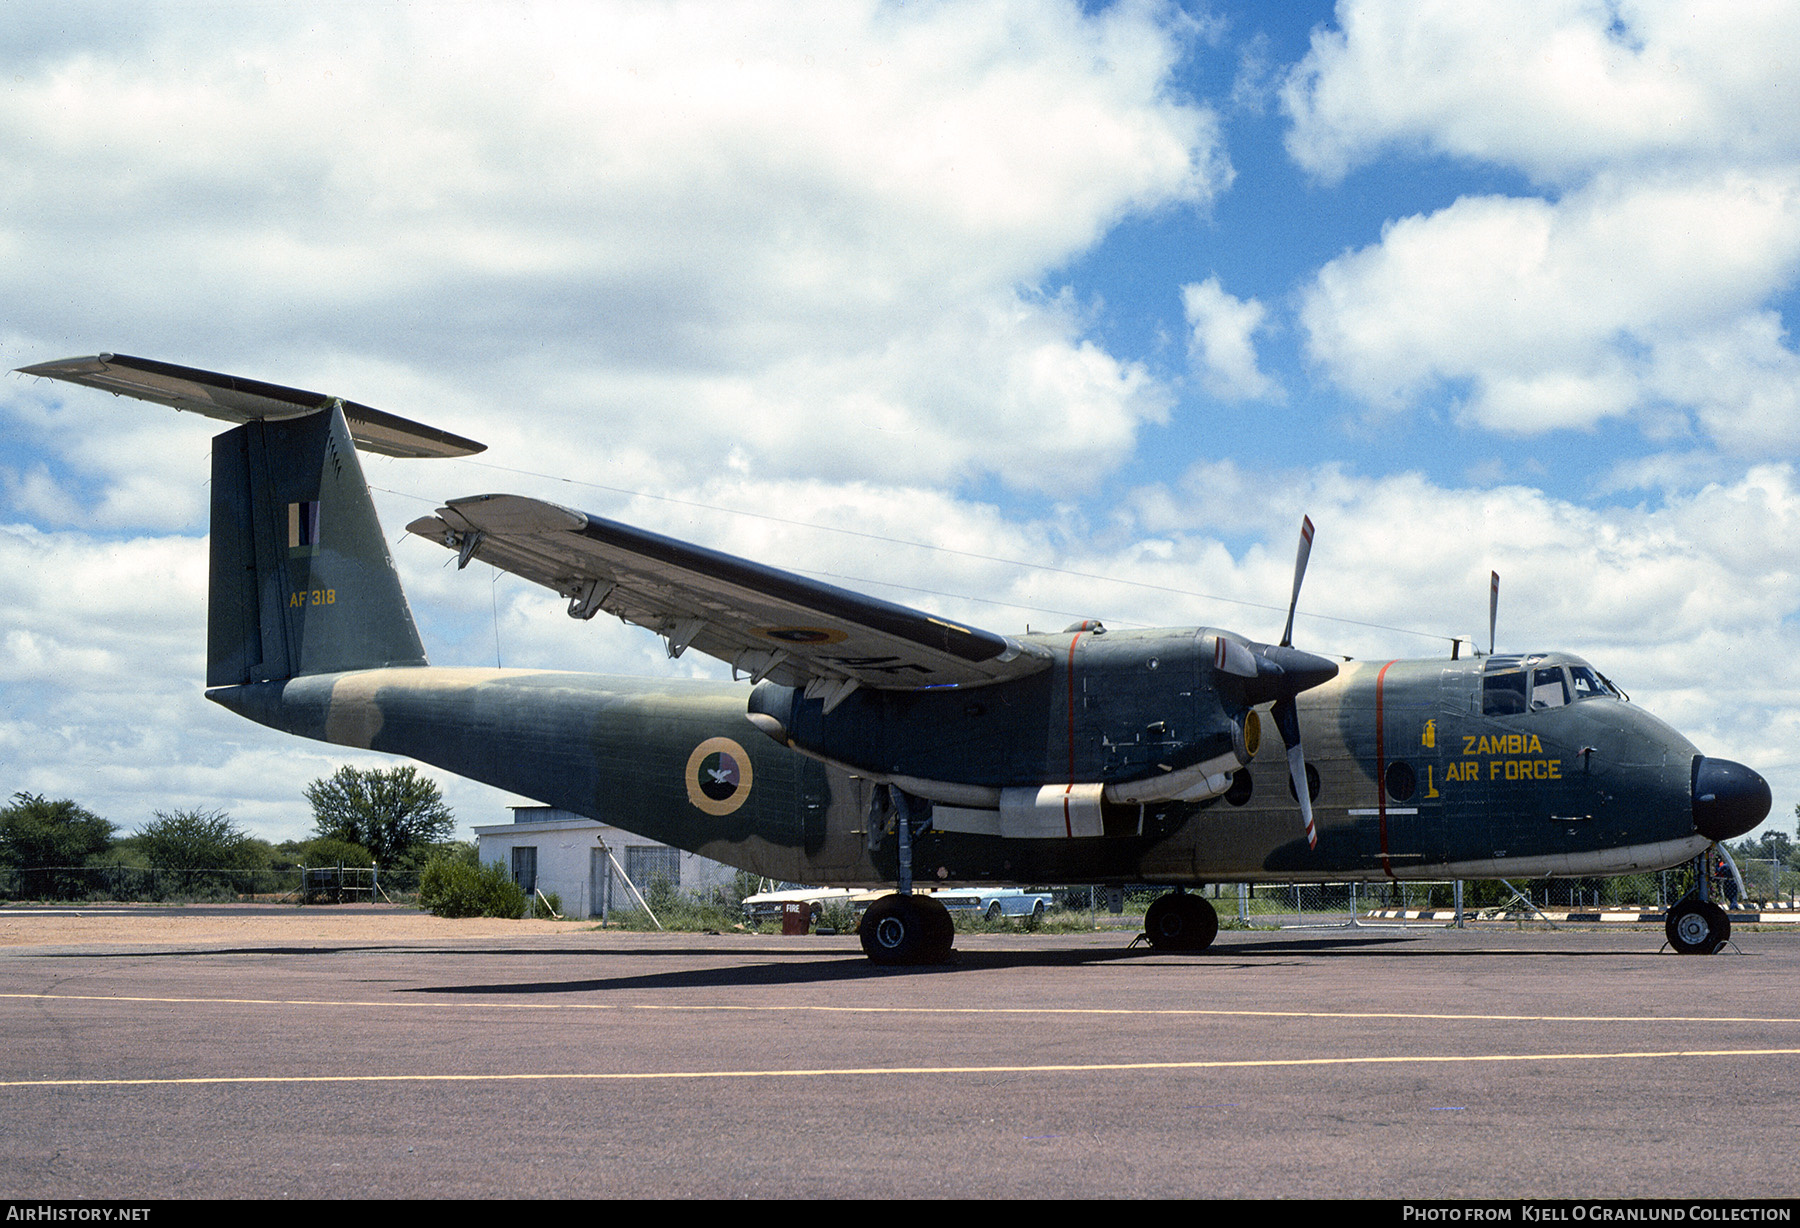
1387	866
1068	823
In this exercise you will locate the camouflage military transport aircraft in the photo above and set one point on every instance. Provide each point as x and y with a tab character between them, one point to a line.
872	742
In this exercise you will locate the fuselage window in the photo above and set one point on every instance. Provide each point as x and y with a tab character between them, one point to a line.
1548	690
1503	694
1312	785
1401	781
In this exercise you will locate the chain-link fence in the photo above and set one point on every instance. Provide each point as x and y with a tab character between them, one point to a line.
1261	904
161	884
1770	881
1291	905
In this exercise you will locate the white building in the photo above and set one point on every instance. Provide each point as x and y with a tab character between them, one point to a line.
555	850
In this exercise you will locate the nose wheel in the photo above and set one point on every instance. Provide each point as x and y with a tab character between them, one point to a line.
1180	922
1697	927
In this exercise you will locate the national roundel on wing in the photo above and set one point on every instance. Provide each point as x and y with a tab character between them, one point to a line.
801	635
718	776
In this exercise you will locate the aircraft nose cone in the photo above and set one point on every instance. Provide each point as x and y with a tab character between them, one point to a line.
1729	798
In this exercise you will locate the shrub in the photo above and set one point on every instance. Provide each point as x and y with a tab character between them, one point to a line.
200	854
449	887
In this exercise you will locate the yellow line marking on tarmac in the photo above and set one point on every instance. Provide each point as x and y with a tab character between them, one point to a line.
484	1000
838	1071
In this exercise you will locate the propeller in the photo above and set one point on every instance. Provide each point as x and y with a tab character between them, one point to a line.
1286	711
1278	673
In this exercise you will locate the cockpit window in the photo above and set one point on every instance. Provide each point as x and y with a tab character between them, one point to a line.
1590	685
1548	690
1503	692
1535	682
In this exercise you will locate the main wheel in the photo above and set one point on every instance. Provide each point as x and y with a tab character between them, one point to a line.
1696	927
940	929
907	929
1180	922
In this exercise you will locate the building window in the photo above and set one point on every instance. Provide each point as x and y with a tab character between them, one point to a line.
524	867
647	863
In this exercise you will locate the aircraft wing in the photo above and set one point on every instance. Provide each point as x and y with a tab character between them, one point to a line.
235	399
764	622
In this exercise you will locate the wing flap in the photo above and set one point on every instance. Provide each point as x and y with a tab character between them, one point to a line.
234	399
762	621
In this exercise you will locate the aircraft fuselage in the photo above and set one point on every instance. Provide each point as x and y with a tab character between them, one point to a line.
1416	779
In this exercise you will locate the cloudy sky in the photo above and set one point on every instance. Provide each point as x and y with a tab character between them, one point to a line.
1018	311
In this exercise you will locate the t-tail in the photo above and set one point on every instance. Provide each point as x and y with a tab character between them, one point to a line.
301	579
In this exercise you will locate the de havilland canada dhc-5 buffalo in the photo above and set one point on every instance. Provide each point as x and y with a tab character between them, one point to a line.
863	742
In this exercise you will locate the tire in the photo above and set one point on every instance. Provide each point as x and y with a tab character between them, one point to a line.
1180	922
1037	911
902	930
940	929
1696	927
994	911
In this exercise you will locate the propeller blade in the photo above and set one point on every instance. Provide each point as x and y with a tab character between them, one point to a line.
1287	719
1297	772
1286	712
1306	536
1493	607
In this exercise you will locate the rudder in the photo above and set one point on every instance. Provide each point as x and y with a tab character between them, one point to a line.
301	579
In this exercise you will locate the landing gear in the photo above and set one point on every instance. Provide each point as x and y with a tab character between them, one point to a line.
1180	922
903	928
907	929
1697	927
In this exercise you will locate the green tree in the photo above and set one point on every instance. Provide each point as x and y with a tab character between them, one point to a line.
46	842
201	852
387	811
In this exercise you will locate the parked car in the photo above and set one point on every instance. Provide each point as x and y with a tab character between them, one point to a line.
994	903
767	905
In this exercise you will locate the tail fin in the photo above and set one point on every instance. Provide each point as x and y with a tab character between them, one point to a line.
302	581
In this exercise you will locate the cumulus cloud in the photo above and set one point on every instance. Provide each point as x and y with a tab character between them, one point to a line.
1222	346
1558	90
1620	297
760	221
1642	286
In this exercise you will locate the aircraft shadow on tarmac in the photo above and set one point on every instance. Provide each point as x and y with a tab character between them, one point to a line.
836	966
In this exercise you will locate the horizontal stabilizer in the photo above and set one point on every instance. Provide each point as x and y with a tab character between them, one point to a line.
233	399
765	622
